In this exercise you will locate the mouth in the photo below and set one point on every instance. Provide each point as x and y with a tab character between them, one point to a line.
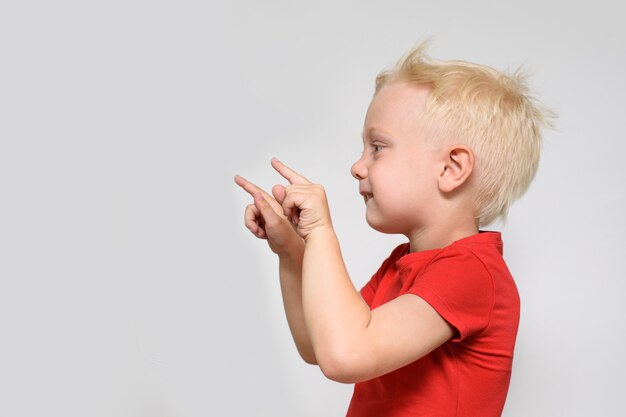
367	196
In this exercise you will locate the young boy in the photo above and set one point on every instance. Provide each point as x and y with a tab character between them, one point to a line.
447	147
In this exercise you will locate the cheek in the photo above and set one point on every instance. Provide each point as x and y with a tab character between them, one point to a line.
381	178
391	181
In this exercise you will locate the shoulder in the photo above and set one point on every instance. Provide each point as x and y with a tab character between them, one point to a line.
475	254
467	256
465	281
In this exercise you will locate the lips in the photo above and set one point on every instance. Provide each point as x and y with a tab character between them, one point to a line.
366	196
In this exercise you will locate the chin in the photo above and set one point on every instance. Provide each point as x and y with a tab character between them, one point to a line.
381	226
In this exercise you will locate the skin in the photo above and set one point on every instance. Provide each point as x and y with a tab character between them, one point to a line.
409	187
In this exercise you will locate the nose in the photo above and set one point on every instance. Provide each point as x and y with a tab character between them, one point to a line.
358	169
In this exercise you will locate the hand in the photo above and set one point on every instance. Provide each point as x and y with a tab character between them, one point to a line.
304	203
265	218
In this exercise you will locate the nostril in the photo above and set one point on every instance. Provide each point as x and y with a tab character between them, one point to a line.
355	170
357	173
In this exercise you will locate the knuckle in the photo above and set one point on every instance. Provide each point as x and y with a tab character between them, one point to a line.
319	190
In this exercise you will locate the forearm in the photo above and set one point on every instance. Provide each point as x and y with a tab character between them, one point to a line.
290	270
336	315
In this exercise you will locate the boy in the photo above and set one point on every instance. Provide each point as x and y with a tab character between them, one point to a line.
447	147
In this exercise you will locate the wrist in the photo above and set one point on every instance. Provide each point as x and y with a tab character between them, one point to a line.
293	252
320	232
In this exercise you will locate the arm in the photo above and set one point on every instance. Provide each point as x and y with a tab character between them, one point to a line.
290	270
265	220
352	343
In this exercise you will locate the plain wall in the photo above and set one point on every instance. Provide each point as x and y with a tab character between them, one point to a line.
128	284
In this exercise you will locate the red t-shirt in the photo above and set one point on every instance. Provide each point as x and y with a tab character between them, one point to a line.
470	286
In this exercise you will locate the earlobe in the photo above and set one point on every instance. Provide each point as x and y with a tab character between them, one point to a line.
459	164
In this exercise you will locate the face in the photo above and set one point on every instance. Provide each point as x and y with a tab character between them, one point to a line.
398	169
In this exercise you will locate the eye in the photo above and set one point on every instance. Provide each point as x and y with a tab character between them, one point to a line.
376	147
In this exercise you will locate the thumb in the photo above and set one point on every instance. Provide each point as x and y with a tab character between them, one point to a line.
279	193
269	215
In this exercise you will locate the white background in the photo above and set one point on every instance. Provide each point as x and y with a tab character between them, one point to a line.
128	284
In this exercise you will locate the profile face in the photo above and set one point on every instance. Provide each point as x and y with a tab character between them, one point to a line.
397	171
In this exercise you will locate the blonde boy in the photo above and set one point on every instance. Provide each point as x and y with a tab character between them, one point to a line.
447	147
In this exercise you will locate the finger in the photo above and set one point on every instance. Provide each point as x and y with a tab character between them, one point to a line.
254	221
279	192
289	174
291	207
251	218
270	217
249	187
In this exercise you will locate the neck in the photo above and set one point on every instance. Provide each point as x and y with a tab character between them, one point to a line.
441	235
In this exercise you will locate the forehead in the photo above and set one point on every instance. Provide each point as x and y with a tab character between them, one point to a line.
397	108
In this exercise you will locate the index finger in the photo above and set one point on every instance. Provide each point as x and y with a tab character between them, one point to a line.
250	188
289	174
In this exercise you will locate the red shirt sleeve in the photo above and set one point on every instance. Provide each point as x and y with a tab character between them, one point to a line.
459	287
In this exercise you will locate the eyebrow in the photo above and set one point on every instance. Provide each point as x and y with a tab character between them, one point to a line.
372	132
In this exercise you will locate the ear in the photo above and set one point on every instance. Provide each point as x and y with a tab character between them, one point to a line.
458	166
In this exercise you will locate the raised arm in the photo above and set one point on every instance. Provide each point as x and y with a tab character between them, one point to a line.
351	343
265	220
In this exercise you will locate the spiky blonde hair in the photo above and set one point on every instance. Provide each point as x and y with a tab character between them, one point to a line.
487	110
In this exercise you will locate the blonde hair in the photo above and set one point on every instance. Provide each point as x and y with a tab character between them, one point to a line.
487	110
